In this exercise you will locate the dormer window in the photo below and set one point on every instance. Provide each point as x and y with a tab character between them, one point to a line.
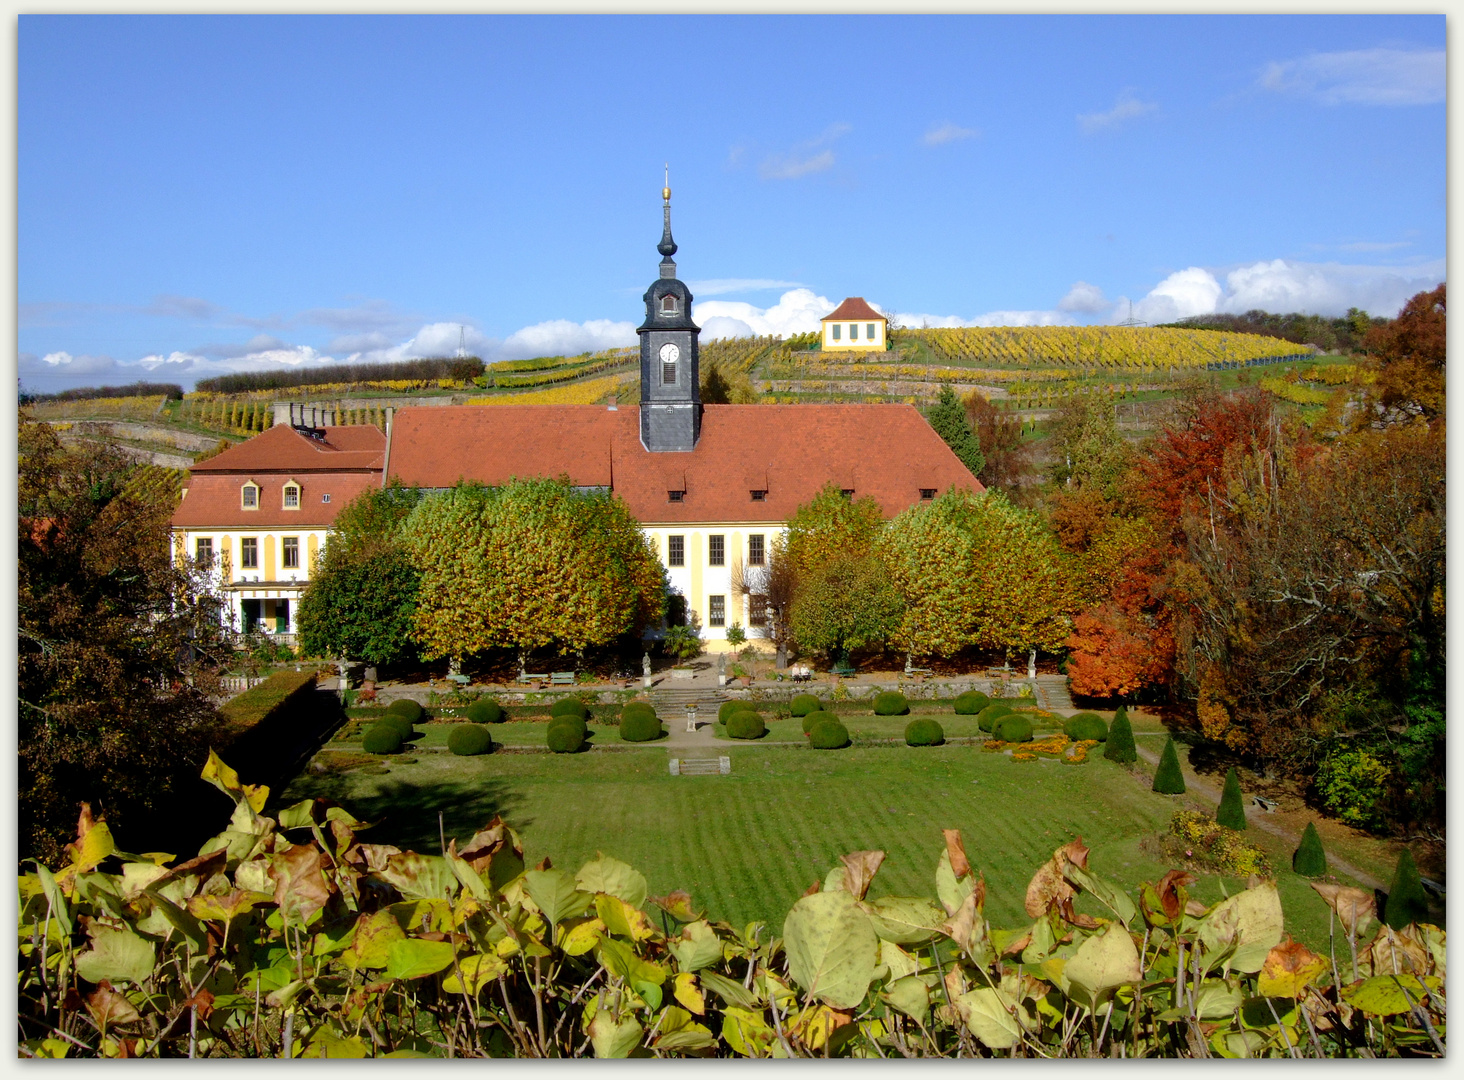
760	495
926	494
676	496
292	496
848	493
668	305
249	496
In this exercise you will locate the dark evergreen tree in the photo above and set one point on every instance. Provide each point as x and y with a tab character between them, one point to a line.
1407	902
1231	812
1120	745
948	417
1309	859
1168	780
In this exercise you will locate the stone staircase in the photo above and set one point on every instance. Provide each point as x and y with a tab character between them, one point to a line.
672	701
718	766
1052	692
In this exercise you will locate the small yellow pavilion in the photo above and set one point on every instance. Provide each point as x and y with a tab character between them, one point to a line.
854	325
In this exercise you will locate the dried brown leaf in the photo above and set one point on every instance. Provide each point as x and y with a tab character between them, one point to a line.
859	870
960	865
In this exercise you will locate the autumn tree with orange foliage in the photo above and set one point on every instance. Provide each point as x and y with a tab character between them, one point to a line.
1115	654
1411	349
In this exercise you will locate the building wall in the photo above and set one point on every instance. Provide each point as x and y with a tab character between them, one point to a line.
270	581
699	581
862	343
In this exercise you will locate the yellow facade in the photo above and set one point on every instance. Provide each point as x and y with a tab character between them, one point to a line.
852	335
701	583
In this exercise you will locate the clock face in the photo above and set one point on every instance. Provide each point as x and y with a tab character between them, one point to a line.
670	353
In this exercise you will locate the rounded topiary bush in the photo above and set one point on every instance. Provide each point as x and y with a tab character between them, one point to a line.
576	722
484	711
408	708
638	708
804	704
399	723
828	734
891	703
566	737
986	719
382	739
1086	725
816	717
924	732
640	725
469	740
971	702
570	706
746	725
727	708
1013	728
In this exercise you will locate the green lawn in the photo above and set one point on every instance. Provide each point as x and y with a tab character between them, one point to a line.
747	845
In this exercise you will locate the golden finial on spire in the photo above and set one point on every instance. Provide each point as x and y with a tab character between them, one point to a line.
666	191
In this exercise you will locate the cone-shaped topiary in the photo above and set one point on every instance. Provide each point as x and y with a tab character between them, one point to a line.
727	708
986	719
1168	780
814	718
1085	725
1231	812
1407	902
744	724
891	703
408	708
804	704
565	738
638	726
570	706
1309	859
971	702
923	731
828	734
1013	728
1120	745
382	739
469	740
484	711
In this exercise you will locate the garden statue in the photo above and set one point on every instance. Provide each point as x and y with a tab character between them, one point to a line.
721	669
646	669
1032	664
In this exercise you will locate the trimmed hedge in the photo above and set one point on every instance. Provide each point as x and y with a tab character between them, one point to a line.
639	708
1309	859
804	704
484	711
986	719
640	726
891	703
570	706
1086	725
1231	811
828	734
1120	746
565	738
727	708
814	718
382	739
576	722
971	702
746	725
1168	779
253	706
407	708
924	731
1013	728
469	740
1407	902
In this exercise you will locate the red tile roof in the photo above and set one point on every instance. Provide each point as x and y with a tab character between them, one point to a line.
790	451
213	500
283	449
853	309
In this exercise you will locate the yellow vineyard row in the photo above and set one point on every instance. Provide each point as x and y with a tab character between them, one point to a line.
1100	346
588	392
124	408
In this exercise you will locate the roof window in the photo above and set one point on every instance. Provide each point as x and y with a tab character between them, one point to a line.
848	493
926	494
668	304
676	496
759	494
292	496
249	496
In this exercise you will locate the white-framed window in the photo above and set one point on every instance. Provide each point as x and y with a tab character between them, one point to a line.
249	496
292	496
837	330
325	498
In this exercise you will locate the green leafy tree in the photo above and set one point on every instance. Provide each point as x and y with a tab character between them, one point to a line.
1120	744
528	565
1231	812
1089	451
1407	902
831	525
1168	780
847	604
1309	859
976	571
362	598
117	646
948	417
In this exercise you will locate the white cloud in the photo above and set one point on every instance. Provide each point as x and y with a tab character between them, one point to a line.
1362	77
948	132
1282	285
918	320
721	286
560	337
812	156
1126	108
1084	297
796	312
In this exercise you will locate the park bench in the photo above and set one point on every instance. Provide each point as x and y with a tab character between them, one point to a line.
533	676
562	678
923	672
461	680
1268	805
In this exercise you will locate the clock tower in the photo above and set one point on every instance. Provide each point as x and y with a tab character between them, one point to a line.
670	366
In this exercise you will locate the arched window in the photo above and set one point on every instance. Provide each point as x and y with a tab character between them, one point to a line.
249	496
668	305
292	496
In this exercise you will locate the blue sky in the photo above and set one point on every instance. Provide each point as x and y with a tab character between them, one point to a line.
208	194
